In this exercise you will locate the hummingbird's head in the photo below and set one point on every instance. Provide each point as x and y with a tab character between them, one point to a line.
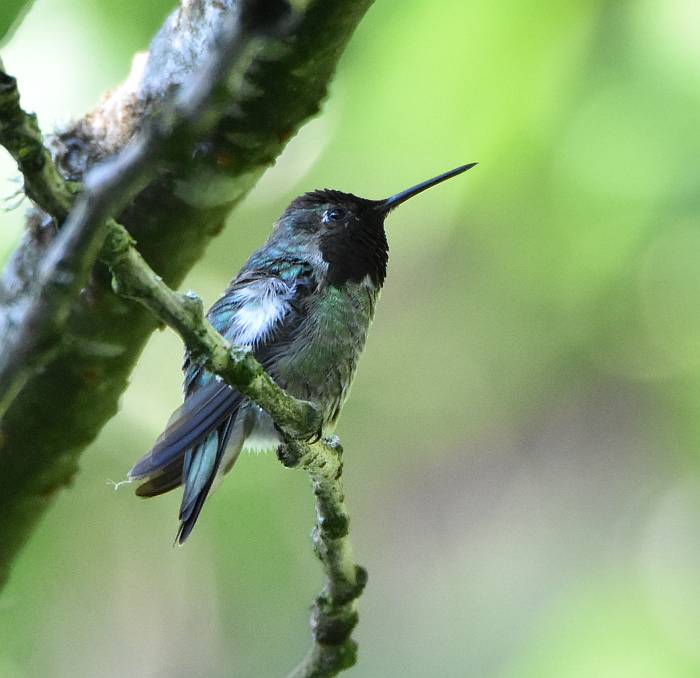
347	232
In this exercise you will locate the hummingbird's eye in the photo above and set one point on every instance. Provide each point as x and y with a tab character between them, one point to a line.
332	215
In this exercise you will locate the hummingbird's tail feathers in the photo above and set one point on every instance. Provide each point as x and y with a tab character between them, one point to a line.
190	450
168	479
200	467
201	413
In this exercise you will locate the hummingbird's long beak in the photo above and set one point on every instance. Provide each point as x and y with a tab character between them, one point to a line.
387	205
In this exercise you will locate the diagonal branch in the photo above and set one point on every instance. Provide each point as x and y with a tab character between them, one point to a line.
334	613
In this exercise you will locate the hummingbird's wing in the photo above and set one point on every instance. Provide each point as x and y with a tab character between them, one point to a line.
258	309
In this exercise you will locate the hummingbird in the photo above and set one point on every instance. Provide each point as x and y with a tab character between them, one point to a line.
303	303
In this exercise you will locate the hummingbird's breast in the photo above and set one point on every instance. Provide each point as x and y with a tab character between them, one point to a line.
319	363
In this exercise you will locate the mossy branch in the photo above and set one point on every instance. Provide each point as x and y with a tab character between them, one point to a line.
334	613
21	136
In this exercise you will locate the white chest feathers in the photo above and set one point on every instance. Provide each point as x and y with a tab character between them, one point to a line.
263	304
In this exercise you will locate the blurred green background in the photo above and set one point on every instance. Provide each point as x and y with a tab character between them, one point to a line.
522	439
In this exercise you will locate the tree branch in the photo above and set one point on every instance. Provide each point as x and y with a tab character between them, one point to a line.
21	136
173	218
334	614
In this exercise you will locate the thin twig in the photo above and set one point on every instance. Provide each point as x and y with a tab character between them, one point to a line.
21	136
334	613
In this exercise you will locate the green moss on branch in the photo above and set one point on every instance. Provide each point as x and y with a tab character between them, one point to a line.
21	136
